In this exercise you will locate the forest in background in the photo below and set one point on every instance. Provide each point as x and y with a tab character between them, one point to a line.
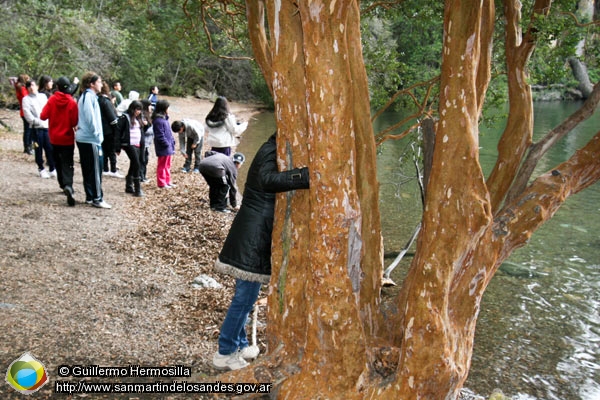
188	47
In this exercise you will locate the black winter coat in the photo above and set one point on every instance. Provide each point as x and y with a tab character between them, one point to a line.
109	121
123	131
246	253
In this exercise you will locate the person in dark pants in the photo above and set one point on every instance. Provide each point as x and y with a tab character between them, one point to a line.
220	172
89	139
21	91
110	144
33	104
61	113
147	139
246	253
130	134
191	141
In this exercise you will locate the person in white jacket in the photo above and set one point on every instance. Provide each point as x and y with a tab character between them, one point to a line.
33	104
223	127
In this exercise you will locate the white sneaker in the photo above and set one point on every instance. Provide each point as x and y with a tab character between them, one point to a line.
118	175
53	173
101	204
231	362
44	174
250	352
106	173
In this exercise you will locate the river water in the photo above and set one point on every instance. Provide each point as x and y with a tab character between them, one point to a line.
538	332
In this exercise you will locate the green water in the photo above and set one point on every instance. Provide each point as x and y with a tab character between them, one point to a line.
538	332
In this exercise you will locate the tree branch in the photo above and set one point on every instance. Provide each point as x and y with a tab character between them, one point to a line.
383	135
255	13
430	83
537	150
579	24
526	213
206	5
518	134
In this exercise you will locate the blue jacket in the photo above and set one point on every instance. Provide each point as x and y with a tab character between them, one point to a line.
164	142
89	127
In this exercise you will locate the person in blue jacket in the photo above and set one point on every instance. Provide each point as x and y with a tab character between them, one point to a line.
153	96
89	139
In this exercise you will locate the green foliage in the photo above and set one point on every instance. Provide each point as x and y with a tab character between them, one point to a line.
381	59
164	43
141	43
402	46
557	38
260	89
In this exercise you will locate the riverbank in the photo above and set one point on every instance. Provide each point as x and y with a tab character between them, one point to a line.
84	286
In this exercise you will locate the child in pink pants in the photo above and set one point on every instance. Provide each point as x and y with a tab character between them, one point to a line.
164	143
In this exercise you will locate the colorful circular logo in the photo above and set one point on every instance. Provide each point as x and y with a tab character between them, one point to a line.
26	374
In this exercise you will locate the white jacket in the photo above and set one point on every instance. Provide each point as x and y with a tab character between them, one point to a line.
33	104
225	133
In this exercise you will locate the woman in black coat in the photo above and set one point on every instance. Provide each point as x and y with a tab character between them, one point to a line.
246	253
110	144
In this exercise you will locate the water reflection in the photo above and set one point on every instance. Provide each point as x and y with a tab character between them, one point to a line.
538	332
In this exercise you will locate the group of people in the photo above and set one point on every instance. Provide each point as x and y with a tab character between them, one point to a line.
55	119
94	124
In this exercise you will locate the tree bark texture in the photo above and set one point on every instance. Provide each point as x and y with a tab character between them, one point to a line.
518	133
433	341
580	73
327	337
327	253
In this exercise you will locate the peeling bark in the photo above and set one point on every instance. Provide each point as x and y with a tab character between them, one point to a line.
327	253
517	136
326	335
456	213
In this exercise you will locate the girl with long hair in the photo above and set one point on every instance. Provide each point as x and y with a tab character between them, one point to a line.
164	144
130	137
223	127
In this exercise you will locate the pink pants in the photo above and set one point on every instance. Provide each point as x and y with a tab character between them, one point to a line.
163	171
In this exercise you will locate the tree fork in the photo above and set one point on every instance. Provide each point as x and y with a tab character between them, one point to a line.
518	134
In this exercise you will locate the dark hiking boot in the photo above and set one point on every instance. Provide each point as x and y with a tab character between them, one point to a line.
129	184
69	193
138	188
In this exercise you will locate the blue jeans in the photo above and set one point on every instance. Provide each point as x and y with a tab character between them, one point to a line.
233	332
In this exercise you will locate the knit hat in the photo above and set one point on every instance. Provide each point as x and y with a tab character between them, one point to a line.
64	85
239	158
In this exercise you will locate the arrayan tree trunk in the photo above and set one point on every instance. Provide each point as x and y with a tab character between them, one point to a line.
327	337
327	262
